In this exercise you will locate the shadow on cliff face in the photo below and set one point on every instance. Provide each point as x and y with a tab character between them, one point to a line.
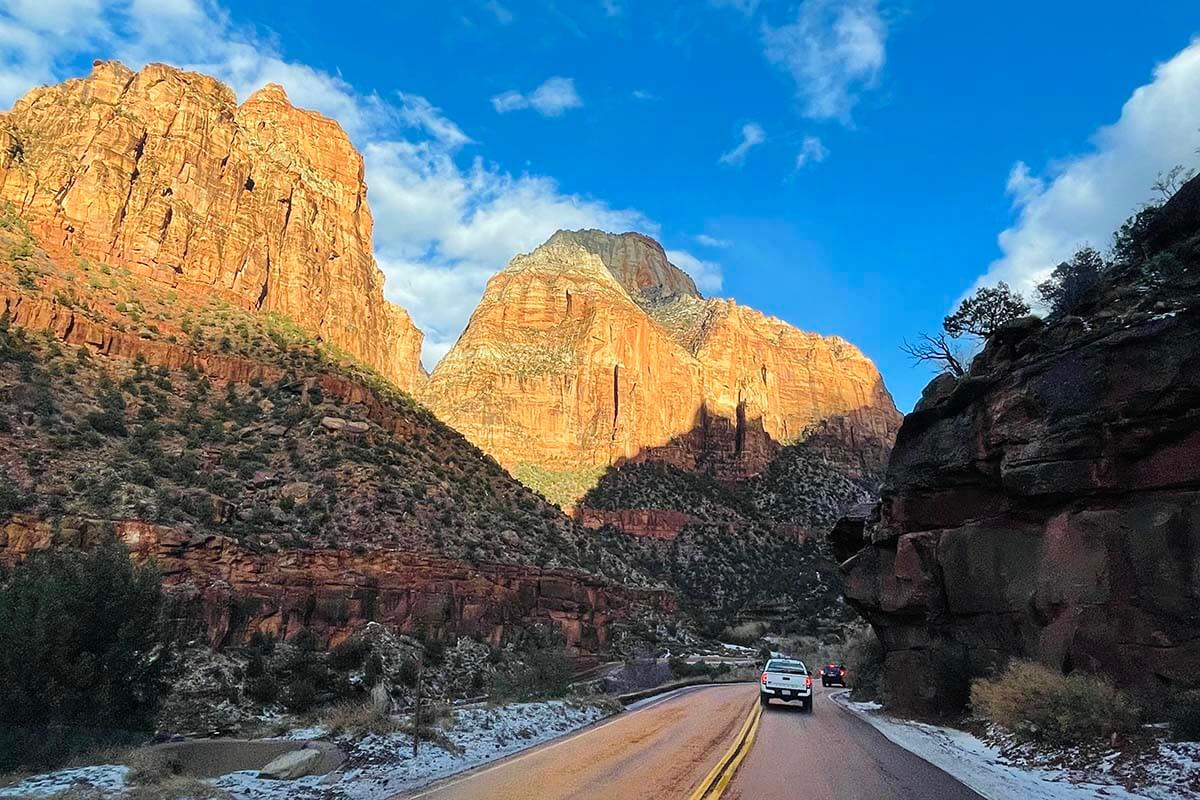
738	448
1047	505
741	549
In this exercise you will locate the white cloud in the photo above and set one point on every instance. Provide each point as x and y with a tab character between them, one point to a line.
442	230
1085	198
1022	185
418	112
33	36
441	227
642	94
551	99
706	274
509	101
812	151
833	50
752	136
710	241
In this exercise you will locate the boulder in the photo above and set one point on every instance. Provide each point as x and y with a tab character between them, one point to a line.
292	765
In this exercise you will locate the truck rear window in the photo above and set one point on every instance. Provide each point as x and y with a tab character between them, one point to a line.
787	667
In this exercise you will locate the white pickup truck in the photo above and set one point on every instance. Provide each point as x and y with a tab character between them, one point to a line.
786	679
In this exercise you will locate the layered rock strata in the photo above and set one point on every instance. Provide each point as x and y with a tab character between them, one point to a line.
225	593
594	350
1047	505
163	173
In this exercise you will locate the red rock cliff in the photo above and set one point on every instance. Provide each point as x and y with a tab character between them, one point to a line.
162	172
226	592
594	349
1047	505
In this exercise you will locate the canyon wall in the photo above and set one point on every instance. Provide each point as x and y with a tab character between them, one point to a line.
162	172
225	593
594	350
1047	505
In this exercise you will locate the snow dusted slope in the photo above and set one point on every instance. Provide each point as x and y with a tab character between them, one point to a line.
377	766
1170	774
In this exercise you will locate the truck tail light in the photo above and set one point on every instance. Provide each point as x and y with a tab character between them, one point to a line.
764	678
808	681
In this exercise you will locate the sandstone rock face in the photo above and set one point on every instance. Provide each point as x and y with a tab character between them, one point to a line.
226	592
593	350
559	367
637	262
1046	506
162	172
652	523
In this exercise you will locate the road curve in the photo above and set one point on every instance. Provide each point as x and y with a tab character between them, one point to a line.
665	748
831	754
661	749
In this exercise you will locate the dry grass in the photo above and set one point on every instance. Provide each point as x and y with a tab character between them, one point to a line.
177	788
747	633
435	720
1039	704
85	793
357	719
172	789
148	767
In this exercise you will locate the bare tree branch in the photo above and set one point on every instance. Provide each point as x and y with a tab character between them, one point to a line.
935	350
1167	183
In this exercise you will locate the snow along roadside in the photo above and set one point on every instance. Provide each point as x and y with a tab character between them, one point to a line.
378	765
981	767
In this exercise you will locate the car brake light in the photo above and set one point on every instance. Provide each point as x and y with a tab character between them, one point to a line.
843	673
808	681
764	677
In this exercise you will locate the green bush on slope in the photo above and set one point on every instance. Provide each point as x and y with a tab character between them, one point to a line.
83	652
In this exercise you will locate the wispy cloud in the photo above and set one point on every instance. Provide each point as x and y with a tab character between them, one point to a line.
550	99
752	136
710	241
834	51
643	95
812	151
418	112
1085	198
706	274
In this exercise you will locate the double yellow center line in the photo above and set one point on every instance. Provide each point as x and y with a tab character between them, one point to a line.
716	781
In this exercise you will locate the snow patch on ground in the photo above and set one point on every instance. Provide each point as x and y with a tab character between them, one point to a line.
377	766
1171	775
107	778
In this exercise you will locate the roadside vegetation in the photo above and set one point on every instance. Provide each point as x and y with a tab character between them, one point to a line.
84	653
1036	703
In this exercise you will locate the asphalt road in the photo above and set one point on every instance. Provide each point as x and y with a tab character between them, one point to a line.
831	754
664	749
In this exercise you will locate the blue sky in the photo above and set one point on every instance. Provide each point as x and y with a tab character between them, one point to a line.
852	167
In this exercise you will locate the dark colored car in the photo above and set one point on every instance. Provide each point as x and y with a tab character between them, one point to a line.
833	675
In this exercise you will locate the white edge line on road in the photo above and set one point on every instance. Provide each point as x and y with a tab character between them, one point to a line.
475	772
842	700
